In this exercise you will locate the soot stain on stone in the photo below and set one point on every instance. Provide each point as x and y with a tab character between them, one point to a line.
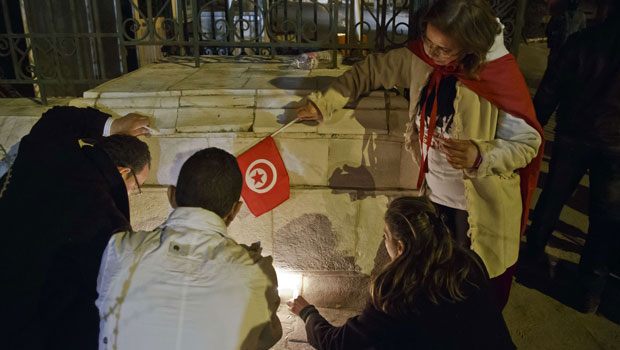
310	243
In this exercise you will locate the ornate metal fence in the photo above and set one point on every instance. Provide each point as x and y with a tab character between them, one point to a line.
66	52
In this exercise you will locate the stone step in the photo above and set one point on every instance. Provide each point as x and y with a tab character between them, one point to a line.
369	116
366	163
356	150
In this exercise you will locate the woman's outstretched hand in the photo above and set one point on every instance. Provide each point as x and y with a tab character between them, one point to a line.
309	112
297	304
461	154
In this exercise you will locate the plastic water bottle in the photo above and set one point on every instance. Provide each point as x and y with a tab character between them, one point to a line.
306	61
313	60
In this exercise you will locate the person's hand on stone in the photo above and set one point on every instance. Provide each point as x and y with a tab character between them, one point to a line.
132	124
309	112
461	154
297	304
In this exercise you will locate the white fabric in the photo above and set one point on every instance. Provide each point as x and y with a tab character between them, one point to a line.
108	126
185	285
446	183
498	49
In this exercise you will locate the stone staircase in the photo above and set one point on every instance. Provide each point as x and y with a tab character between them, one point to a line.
342	172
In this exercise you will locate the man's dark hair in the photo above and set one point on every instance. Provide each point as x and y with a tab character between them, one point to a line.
210	179
126	151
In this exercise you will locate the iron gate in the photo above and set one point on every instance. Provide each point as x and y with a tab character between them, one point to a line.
65	47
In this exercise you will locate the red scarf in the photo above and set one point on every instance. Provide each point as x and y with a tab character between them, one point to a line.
502	84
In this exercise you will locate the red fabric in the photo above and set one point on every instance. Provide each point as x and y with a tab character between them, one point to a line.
502	84
265	180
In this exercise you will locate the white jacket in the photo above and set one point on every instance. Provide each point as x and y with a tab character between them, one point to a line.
186	285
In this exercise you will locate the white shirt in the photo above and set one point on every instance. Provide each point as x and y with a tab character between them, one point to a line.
446	183
186	285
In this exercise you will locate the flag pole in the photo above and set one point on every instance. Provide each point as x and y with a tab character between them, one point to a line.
271	135
284	127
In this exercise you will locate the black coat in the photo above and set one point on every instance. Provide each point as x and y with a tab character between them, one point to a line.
584	84
63	202
475	324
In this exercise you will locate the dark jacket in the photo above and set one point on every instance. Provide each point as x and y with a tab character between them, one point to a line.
475	323
585	82
63	202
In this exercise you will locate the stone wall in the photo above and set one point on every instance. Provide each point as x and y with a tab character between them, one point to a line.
342	172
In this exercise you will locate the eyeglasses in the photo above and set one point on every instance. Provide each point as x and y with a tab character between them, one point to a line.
438	50
137	184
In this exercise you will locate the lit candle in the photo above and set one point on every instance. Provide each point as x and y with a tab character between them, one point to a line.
289	284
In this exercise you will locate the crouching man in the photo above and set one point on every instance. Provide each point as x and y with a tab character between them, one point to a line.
187	284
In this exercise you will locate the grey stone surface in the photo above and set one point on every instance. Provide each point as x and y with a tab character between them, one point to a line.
139	102
270	120
155	77
398	120
201	119
370	233
83	102
337	290
537	321
233	145
12	129
365	163
355	122
398	102
305	160
221	101
409	170
123	94
149	209
162	119
369	102
278	101
287	82
315	231
168	155
247	229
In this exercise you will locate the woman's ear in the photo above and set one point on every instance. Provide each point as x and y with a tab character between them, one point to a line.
401	247
172	193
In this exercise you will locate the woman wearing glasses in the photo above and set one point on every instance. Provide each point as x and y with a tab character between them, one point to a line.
473	130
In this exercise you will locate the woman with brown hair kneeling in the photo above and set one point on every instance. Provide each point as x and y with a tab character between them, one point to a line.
433	294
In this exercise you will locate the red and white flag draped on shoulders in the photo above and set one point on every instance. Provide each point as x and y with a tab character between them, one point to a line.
502	84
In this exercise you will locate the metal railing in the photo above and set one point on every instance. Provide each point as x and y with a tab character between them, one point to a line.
97	40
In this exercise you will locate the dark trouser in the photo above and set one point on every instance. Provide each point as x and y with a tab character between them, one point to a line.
568	164
456	220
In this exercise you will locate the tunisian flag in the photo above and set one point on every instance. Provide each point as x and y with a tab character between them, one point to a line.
265	180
